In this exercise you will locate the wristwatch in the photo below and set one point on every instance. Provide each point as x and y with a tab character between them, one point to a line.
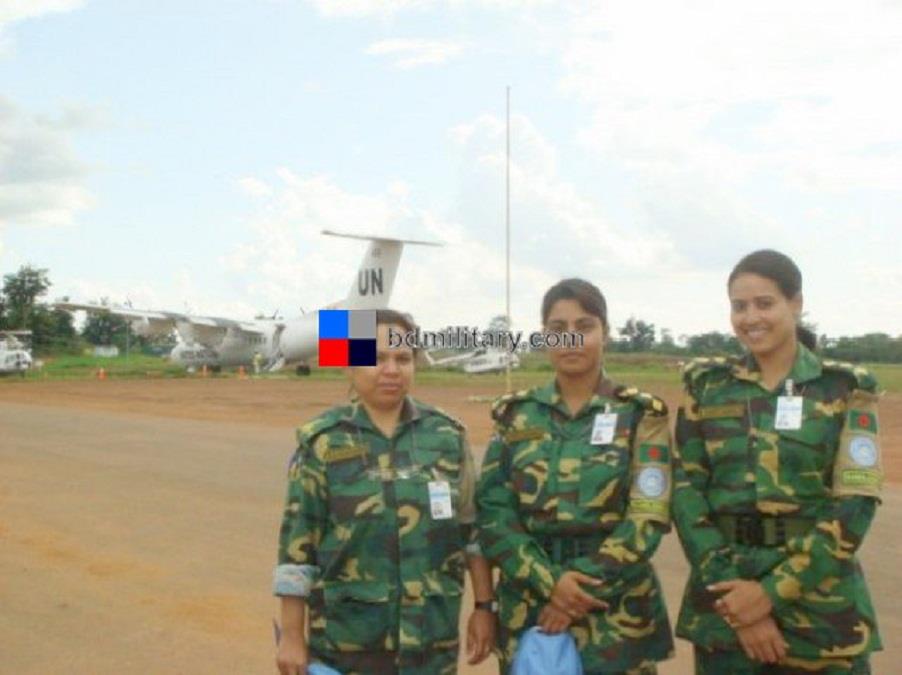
487	605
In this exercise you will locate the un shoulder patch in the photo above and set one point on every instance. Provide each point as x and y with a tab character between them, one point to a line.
858	469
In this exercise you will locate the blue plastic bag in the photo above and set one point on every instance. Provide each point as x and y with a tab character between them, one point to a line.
543	654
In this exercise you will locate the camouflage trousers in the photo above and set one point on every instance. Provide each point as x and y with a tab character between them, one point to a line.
735	662
435	662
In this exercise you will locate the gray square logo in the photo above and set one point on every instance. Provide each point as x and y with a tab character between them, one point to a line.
362	324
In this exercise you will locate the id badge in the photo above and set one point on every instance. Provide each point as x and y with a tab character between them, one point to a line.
440	500
603	428
789	413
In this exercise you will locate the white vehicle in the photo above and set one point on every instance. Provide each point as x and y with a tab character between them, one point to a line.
217	342
14	355
478	361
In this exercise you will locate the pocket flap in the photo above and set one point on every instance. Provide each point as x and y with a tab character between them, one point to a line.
361	591
440	584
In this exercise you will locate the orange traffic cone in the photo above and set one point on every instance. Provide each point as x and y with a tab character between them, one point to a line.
242	374
101	374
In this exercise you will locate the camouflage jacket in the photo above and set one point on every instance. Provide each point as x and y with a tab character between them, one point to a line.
375	530
732	459
544	483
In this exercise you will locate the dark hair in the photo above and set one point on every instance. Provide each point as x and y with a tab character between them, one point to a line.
586	294
392	316
779	268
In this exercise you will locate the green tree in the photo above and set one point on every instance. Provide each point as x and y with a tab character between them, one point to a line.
21	291
639	335
104	328
713	343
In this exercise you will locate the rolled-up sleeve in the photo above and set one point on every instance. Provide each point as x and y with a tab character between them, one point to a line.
303	524
467	508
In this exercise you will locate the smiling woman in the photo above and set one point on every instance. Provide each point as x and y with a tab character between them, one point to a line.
777	476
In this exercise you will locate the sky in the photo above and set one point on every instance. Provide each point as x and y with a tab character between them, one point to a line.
186	156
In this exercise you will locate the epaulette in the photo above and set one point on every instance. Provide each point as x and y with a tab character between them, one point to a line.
456	421
654	406
500	404
863	378
307	432
702	365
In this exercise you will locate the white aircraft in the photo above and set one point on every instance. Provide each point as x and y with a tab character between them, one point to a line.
478	361
216	342
14	355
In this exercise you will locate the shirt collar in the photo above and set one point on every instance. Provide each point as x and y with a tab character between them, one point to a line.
550	395
358	415
805	367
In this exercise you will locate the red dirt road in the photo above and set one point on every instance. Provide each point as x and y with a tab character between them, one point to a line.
138	522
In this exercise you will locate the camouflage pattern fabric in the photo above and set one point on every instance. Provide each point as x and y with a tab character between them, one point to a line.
435	662
715	662
389	575
544	481
731	459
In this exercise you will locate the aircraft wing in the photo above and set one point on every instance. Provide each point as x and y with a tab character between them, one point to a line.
205	329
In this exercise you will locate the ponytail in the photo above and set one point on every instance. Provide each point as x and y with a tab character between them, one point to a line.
806	337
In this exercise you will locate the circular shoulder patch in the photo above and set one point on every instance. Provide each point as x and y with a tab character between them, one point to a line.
863	451
651	481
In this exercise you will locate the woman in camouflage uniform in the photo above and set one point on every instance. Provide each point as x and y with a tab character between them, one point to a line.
378	517
573	500
777	477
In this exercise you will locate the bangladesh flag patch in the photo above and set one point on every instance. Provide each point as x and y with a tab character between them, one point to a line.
654	452
863	421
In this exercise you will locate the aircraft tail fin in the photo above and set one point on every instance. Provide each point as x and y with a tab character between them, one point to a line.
376	275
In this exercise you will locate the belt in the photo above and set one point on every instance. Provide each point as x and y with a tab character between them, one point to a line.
760	530
567	547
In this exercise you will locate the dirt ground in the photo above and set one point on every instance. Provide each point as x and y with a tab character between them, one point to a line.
138	522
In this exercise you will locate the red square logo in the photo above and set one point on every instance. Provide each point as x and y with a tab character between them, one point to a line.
333	353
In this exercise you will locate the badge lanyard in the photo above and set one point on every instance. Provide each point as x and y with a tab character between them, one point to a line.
604	427
789	410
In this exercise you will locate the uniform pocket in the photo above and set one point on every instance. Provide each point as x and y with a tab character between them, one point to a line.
604	478
529	473
805	455
440	614
357	615
354	494
731	457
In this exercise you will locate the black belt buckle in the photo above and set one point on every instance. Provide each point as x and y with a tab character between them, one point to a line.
564	548
750	530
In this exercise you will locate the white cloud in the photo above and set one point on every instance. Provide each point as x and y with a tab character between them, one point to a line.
17	10
288	262
12	11
41	182
412	52
727	121
254	187
724	91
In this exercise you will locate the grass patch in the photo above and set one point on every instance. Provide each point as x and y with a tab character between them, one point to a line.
135	366
647	371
